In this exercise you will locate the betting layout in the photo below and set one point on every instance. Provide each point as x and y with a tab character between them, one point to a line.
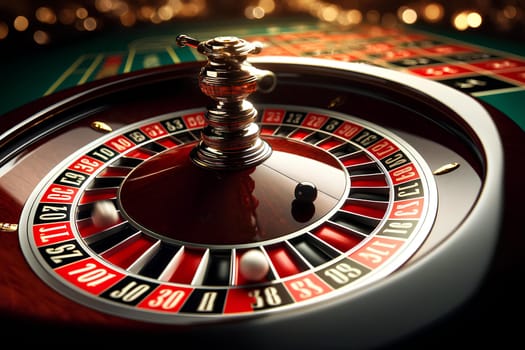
493	76
465	67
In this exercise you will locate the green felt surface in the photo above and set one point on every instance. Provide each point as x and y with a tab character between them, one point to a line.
28	77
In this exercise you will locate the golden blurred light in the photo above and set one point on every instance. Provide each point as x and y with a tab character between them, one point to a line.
192	8
41	37
176	5
350	17
258	12
460	21
433	12
267	5
146	12
248	12
81	12
90	24
408	16
45	15
355	16
21	23
155	19
510	11
329	13
118	8
254	12
506	16
4	30
128	19
104	5
165	12
260	9
467	19
474	19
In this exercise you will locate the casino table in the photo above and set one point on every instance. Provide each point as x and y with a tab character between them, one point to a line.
490	69
368	114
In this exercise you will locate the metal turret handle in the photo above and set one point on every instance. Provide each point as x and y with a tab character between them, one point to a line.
231	139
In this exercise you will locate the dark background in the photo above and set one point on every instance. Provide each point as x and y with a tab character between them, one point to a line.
51	23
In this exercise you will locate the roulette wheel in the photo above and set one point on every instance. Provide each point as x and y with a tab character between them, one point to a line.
252	198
